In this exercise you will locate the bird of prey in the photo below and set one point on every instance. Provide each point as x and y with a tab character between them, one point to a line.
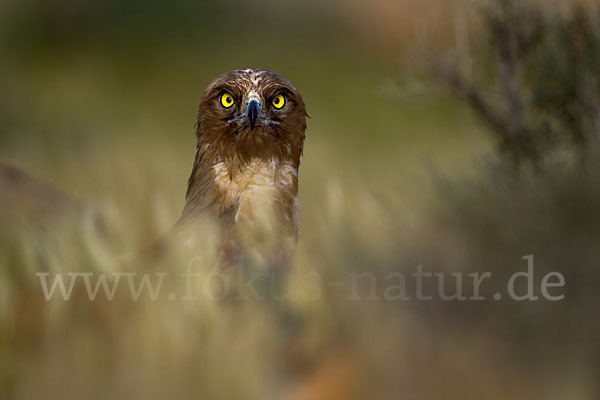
250	137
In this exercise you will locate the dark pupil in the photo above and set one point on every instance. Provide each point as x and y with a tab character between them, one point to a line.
227	100
277	100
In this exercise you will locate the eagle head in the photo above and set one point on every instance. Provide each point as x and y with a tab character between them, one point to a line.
252	113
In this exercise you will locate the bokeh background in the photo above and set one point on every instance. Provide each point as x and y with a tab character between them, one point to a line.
99	99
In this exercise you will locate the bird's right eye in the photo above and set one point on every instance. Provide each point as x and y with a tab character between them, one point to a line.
227	100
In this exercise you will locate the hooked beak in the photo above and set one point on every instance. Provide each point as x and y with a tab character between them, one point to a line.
253	109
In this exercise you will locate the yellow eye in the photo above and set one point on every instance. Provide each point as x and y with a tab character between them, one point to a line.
227	100
278	101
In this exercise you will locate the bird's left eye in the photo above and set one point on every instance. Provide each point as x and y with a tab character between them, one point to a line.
227	100
278	101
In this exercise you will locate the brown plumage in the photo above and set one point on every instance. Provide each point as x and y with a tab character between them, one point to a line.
250	133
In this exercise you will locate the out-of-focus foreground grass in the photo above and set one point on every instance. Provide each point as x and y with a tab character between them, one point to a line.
99	99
